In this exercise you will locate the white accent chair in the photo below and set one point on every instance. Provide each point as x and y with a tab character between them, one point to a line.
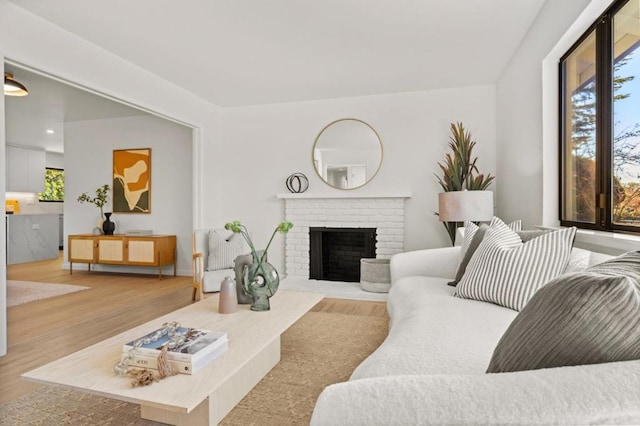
206	281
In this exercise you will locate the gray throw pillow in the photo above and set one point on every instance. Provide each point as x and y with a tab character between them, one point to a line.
471	249
529	235
587	317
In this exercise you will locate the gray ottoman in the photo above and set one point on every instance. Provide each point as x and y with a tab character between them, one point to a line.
375	275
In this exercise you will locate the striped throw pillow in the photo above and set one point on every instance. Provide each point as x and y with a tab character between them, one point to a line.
507	272
473	236
223	252
471	229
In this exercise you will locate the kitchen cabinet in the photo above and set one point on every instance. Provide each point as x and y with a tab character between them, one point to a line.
25	169
151	250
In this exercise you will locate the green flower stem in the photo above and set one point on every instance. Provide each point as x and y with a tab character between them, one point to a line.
245	234
238	228
264	253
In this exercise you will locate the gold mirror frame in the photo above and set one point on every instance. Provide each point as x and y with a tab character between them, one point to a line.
368	178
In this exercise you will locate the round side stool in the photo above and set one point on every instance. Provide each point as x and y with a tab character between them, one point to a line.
375	275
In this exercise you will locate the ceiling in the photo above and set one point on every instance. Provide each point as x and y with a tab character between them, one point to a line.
48	106
242	52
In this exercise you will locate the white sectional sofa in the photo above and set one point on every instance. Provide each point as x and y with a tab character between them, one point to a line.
431	367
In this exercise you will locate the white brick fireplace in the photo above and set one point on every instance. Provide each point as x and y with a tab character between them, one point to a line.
343	210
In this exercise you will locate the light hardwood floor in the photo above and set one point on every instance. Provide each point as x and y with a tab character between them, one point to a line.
42	331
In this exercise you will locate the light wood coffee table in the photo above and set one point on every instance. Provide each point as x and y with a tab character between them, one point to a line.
205	397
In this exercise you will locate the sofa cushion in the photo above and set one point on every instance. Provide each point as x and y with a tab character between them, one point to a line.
587	317
431	332
507	272
603	394
223	251
578	261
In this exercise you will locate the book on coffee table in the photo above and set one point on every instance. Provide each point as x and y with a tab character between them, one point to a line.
183	367
198	344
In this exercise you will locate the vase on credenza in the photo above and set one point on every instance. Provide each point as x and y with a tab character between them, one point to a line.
107	226
261	281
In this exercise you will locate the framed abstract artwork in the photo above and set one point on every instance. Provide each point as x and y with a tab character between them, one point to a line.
132	180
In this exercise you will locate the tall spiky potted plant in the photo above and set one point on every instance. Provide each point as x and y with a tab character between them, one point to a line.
459	170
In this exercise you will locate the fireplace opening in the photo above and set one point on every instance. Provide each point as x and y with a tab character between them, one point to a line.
335	253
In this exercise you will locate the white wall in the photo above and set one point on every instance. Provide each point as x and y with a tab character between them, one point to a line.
520	142
265	144
89	149
54	160
30	40
527	111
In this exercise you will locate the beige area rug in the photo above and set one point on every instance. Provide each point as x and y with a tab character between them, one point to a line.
19	292
318	350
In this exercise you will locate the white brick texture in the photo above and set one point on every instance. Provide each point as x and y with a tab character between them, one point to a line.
386	214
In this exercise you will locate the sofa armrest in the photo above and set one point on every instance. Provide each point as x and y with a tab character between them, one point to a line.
594	394
440	262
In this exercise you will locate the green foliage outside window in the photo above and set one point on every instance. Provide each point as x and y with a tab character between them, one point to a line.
53	186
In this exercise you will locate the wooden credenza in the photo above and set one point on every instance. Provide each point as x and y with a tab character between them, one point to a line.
149	250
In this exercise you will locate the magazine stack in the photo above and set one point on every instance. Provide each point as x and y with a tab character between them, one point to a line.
200	347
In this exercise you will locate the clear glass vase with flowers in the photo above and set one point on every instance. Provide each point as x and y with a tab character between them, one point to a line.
260	278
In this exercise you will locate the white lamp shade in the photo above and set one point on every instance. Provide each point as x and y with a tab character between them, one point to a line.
458	206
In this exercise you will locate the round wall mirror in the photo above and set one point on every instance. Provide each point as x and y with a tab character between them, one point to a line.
347	153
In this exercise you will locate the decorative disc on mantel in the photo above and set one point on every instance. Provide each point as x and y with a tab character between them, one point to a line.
297	183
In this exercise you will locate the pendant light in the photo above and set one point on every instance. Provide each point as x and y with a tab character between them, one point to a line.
12	87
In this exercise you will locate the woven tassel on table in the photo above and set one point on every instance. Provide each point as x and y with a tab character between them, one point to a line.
164	367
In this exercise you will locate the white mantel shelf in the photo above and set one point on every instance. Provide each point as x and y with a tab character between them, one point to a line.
345	194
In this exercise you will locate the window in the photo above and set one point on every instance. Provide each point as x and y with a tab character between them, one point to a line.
600	124
53	185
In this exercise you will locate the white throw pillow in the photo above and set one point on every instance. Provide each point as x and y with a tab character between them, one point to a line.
222	252
507	272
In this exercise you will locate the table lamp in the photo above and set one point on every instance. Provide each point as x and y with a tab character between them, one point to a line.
460	206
